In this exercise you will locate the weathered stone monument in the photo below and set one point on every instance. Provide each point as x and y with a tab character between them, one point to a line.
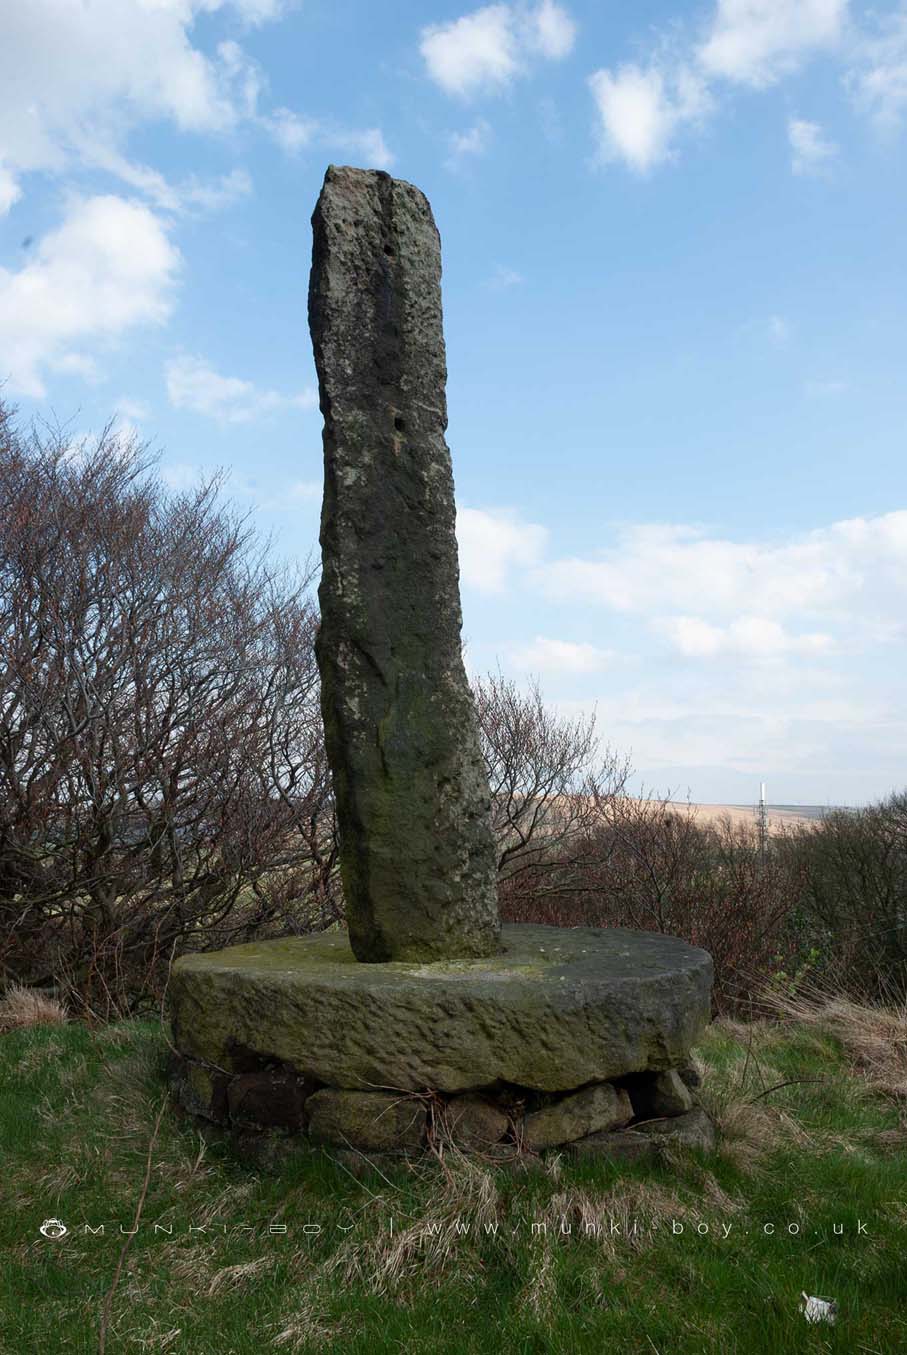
417	854
427	1018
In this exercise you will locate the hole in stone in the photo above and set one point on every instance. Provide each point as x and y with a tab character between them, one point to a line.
399	424
389	251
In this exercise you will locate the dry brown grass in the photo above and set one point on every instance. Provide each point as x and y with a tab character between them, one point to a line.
875	1036
306	1329
21	1007
463	1189
239	1276
750	1124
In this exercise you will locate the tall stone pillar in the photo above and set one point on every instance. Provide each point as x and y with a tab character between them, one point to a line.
417	852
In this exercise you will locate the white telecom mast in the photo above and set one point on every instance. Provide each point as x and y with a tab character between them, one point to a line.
763	821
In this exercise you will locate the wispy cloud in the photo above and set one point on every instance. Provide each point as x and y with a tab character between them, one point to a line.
643	107
193	384
495	544
811	150
548	655
836	587
503	278
469	144
294	134
878	80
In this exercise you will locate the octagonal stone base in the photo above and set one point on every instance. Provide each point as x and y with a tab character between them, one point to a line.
555	1010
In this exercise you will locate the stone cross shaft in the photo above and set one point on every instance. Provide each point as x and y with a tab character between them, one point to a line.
417	853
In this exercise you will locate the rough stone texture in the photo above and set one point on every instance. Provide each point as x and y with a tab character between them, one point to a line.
275	1100
369	1120
413	805
202	1091
690	1076
692	1130
471	1122
620	1145
557	1009
656	1094
595	1108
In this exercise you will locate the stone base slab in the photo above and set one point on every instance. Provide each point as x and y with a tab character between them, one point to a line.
556	1010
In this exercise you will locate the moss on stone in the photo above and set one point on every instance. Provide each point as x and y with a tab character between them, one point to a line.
558	1008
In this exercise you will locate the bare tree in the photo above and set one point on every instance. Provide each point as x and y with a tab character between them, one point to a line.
162	778
549	779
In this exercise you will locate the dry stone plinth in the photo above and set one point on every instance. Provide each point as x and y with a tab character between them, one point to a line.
557	1009
416	849
380	1121
599	1107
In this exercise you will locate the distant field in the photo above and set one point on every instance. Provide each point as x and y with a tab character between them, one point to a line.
778	815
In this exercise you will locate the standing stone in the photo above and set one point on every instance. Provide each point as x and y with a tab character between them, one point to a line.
416	849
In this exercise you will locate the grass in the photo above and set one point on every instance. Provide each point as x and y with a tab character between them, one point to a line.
452	1256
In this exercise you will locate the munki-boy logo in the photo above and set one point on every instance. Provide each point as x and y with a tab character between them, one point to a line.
53	1228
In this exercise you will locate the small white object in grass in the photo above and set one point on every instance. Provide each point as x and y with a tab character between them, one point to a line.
818	1310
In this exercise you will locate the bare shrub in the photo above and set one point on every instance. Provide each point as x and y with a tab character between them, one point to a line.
162	780
549	780
854	890
652	865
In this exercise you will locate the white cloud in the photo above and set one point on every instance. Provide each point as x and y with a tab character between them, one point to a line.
254	12
194	385
493	544
294	134
477	52
291	132
504	278
749	636
546	655
474	141
878	82
485	51
214	195
811	151
108	268
641	109
755	42
644	106
72	75
369	145
242	77
10	191
554	32
136	411
76	364
850	576
779	330
190	196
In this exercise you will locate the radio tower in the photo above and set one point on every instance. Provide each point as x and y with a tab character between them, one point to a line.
763	822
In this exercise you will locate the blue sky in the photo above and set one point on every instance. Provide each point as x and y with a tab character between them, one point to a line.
674	293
